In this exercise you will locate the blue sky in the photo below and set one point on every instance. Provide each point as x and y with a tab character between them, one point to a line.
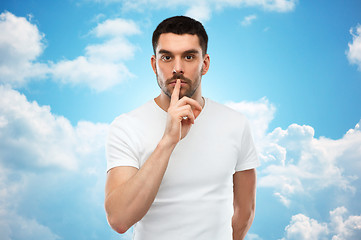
68	68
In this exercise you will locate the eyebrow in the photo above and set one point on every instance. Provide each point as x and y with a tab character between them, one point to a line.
163	51
190	51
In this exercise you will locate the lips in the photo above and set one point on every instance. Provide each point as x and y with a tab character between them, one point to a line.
183	79
174	81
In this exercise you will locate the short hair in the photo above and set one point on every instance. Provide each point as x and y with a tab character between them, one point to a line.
181	25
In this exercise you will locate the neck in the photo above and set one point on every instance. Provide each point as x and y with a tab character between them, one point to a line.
163	101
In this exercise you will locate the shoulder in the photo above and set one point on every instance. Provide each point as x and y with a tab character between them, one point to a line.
225	112
134	116
127	127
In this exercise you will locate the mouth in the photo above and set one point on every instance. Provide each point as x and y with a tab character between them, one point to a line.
183	84
173	80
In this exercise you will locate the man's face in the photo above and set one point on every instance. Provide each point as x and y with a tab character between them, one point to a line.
179	56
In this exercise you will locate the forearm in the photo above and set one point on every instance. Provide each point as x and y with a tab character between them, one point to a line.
127	204
241	223
244	203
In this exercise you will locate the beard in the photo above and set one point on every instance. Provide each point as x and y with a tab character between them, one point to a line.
192	85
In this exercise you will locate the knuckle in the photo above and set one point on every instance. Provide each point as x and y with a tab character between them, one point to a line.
185	99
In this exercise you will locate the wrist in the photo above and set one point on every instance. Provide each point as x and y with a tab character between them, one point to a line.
167	144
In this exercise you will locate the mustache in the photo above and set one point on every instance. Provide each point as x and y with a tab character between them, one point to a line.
178	76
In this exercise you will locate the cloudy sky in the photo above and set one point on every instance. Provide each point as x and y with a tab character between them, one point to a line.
68	68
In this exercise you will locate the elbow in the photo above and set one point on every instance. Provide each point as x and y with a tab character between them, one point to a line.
118	225
251	213
249	216
245	214
116	219
244	218
121	217
241	222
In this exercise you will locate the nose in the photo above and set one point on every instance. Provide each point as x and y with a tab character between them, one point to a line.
178	67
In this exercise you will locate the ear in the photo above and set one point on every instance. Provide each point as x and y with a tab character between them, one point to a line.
206	62
153	62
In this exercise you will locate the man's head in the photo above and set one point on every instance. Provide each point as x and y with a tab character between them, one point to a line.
180	45
181	25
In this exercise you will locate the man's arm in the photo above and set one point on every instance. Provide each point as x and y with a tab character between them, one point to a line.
130	192
244	202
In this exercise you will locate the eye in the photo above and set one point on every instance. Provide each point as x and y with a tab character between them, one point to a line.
189	57
166	58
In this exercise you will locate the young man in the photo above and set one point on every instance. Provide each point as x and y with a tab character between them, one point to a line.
181	166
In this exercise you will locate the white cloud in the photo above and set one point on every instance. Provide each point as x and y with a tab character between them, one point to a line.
199	10
21	44
260	114
296	163
345	227
116	28
33	138
49	168
103	64
354	49
302	227
15	227
252	236
113	51
248	20
205	8
339	227
97	75
284	200
100	68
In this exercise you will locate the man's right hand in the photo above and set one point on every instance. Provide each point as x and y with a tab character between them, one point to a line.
181	115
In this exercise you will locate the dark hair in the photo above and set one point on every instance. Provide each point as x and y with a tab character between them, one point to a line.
181	25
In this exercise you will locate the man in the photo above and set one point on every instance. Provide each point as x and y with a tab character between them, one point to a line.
181	166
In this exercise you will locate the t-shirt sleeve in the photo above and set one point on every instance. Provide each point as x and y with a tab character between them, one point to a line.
247	157
120	146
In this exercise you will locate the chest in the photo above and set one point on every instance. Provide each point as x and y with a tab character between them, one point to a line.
200	167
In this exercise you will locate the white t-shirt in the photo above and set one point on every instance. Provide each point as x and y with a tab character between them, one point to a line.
195	198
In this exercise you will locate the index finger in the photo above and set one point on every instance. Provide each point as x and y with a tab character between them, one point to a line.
175	95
